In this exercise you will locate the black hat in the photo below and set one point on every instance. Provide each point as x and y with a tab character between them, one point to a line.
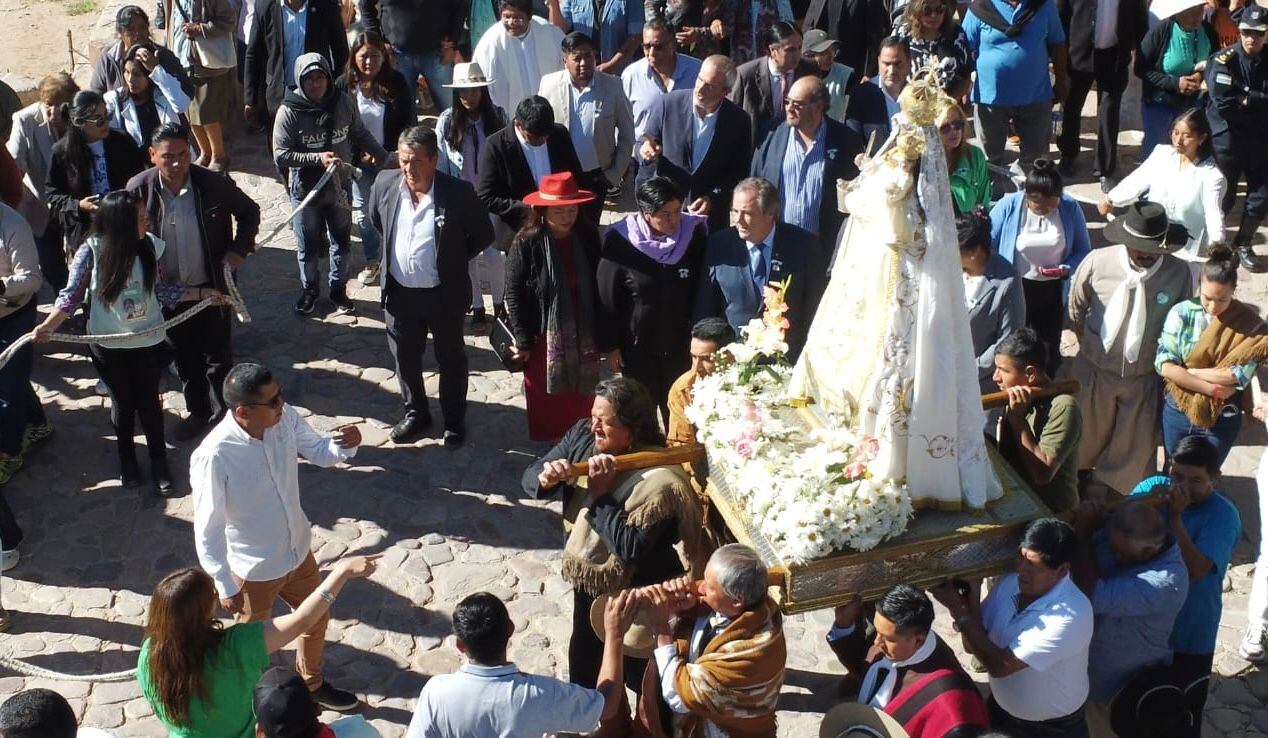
1145	227
1254	18
1151	705
284	707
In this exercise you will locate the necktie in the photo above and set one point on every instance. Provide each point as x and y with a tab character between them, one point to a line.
782	85
757	261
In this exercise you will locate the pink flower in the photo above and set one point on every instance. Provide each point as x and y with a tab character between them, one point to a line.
855	470
745	446
868	448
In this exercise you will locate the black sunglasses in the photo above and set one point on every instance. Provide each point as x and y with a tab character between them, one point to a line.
274	403
955	125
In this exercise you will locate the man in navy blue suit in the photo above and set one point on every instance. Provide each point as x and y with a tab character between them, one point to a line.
759	250
874	102
804	157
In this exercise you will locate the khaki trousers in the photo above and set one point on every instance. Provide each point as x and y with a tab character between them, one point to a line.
294	588
1120	424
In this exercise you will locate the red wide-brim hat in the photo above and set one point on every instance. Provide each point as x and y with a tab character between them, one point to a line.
558	190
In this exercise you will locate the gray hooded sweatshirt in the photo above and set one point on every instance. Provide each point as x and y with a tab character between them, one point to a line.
305	128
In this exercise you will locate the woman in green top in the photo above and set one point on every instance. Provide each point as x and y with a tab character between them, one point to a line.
970	180
199	676
1170	62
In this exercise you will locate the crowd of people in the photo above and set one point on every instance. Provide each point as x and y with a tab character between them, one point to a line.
732	130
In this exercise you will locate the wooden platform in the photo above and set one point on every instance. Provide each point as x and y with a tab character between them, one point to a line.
936	545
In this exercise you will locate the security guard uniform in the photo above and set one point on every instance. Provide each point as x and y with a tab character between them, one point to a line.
1238	112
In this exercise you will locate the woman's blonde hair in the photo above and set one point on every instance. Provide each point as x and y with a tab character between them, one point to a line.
911	15
945	107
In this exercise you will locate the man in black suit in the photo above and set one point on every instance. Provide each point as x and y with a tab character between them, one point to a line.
269	67
759	250
873	103
1100	54
699	139
514	160
762	85
431	225
804	157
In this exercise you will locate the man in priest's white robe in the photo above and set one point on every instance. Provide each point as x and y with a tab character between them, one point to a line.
516	52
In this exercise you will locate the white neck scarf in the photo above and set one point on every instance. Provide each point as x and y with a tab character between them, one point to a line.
1116	311
885	692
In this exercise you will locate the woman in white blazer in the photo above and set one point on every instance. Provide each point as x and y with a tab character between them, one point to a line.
149	97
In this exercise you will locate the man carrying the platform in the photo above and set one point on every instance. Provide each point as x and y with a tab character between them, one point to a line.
1032	634
1039	437
1119	299
720	652
911	674
707	337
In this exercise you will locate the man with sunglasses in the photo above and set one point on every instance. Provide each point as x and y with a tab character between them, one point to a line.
1237	79
250	531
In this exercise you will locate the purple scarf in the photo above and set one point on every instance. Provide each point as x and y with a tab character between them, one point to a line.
660	249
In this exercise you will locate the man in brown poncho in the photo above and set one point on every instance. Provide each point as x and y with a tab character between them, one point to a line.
720	656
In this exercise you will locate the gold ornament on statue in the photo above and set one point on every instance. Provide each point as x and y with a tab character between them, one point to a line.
919	99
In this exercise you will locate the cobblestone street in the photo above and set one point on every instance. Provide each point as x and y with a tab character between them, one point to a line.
448	523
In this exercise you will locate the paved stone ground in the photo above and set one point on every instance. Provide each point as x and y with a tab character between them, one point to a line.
448	523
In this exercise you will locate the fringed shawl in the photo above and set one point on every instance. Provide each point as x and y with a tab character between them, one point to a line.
1236	336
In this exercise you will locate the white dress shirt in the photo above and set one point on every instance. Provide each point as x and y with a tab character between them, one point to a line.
413	262
501	701
668	659
248	521
581	125
538	158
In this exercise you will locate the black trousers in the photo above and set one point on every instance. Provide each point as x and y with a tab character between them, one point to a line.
52	253
1192	672
132	377
203	358
1234	163
585	650
411	314
1045	310
656	373
1111	80
1073	725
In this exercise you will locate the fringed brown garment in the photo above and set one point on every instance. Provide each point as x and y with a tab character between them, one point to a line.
1237	336
648	497
734	684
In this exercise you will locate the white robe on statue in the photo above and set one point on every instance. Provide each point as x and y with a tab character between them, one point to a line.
890	348
517	65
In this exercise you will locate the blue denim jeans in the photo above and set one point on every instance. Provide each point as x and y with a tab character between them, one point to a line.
325	225
437	74
371	241
1176	425
1155	119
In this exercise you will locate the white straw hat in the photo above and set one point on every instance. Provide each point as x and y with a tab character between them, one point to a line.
467	75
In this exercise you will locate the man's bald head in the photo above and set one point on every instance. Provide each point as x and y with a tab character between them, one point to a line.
1137	532
806	104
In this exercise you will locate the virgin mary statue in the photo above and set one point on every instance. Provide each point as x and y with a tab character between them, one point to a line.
889	351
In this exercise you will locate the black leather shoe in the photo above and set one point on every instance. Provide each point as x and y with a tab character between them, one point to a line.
333	698
454	437
410	429
129	473
1252	261
162	476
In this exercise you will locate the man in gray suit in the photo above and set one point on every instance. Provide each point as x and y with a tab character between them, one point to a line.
431	225
592	106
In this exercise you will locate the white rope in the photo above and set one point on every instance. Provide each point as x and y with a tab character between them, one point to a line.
31	670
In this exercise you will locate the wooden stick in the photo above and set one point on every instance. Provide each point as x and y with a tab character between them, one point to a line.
1052	389
647	459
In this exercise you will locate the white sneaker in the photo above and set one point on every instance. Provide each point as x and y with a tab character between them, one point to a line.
101	388
370	275
9	559
1252	648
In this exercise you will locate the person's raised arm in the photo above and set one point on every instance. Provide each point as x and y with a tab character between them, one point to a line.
617	617
966	611
317	448
282	630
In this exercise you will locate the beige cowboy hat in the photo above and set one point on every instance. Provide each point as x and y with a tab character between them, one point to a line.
640	641
467	75
1167	8
856	720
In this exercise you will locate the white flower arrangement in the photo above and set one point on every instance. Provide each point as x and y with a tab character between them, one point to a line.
808	496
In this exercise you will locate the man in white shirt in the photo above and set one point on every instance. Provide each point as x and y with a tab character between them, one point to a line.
1032	633
592	106
661	71
488	697
250	531
431	225
517	52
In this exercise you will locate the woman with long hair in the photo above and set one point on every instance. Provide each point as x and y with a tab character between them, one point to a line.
1041	231
89	161
970	178
936	40
550	299
148	98
461	131
199	676
1209	349
1183	178
119	271
386	104
648	274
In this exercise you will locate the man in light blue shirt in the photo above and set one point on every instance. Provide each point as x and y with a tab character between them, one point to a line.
1013	41
661	71
802	182
615	24
488	697
294	32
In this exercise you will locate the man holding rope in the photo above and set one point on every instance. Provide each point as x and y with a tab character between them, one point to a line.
196	212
